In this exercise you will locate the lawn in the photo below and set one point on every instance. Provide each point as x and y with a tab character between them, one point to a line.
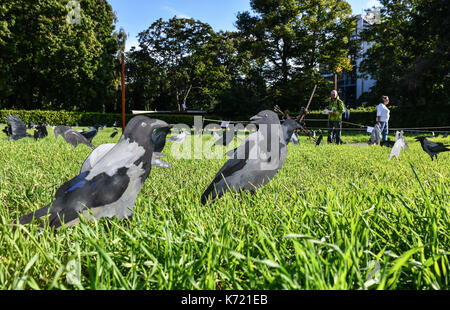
334	217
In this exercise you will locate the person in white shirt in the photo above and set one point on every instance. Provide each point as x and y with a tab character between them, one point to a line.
383	114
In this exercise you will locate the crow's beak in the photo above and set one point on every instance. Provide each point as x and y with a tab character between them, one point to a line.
159	124
255	119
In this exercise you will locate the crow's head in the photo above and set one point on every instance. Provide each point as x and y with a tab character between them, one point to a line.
265	117
421	139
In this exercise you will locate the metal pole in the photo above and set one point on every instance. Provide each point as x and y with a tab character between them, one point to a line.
123	92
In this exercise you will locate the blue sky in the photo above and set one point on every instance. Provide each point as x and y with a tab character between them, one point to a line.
137	15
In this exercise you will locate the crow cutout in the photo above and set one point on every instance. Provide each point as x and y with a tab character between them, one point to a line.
111	186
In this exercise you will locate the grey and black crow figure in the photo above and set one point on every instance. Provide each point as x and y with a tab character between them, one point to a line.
111	186
91	133
18	127
40	132
432	148
114	133
400	143
71	136
289	127
255	162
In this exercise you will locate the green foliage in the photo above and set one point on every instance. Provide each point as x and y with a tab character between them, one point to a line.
330	215
399	118
410	53
88	118
280	51
291	39
181	62
48	62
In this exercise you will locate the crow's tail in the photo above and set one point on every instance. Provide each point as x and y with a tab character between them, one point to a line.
210	193
34	215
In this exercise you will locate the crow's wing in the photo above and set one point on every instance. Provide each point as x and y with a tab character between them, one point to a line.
90	134
123	154
18	127
239	158
96	155
75	138
435	146
79	194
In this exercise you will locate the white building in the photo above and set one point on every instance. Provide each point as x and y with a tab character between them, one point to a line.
351	85
363	81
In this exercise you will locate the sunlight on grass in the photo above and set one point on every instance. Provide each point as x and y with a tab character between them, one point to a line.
334	217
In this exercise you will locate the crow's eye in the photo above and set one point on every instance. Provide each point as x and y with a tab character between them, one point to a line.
143	124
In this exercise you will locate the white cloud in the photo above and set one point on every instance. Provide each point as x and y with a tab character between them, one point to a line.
175	12
372	3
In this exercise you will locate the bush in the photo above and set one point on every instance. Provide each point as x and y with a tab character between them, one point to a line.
56	118
426	116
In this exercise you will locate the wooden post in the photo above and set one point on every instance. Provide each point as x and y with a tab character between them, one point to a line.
123	92
335	82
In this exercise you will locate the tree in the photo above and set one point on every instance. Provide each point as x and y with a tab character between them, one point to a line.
292	39
409	57
50	62
185	53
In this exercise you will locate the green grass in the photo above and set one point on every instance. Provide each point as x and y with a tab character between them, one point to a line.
327	218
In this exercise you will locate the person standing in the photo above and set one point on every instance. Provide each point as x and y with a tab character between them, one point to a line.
383	114
336	109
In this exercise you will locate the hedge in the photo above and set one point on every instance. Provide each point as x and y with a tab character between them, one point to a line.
436	116
56	118
400	118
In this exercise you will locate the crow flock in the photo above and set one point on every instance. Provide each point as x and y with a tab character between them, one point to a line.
113	174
